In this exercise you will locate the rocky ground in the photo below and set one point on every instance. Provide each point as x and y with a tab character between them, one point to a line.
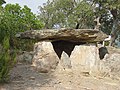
25	77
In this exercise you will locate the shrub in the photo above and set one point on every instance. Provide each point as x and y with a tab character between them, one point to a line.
6	60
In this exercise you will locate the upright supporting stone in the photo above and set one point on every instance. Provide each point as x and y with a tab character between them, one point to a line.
45	59
85	58
65	61
82	59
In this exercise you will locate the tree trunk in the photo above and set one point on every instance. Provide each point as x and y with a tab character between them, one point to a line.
114	28
114	32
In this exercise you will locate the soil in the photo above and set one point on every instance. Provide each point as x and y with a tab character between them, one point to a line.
25	77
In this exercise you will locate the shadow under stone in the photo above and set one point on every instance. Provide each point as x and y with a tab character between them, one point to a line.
102	52
66	46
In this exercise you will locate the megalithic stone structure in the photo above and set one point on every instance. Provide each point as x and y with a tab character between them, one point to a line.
65	39
67	46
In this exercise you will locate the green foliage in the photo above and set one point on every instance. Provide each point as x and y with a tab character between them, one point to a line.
70	13
2	2
6	60
67	13
104	8
109	11
14	19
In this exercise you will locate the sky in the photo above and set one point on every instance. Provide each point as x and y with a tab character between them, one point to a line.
32	4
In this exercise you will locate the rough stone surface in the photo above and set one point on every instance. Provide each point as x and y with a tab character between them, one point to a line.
82	59
64	46
25	57
85	58
45	58
88	59
73	35
110	65
65	61
113	64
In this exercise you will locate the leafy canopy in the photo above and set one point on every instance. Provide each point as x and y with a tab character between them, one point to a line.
15	19
67	13
2	2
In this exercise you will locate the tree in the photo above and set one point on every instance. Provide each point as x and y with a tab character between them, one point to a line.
2	2
14	19
109	12
81	14
67	13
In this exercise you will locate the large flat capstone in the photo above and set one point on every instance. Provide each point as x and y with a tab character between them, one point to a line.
72	35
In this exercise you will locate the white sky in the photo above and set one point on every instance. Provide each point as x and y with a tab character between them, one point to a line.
32	4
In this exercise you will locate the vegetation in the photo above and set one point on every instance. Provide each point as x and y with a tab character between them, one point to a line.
67	13
54	14
7	60
109	12
2	2
81	14
14	19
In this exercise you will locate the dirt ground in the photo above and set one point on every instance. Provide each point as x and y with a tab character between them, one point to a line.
25	77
